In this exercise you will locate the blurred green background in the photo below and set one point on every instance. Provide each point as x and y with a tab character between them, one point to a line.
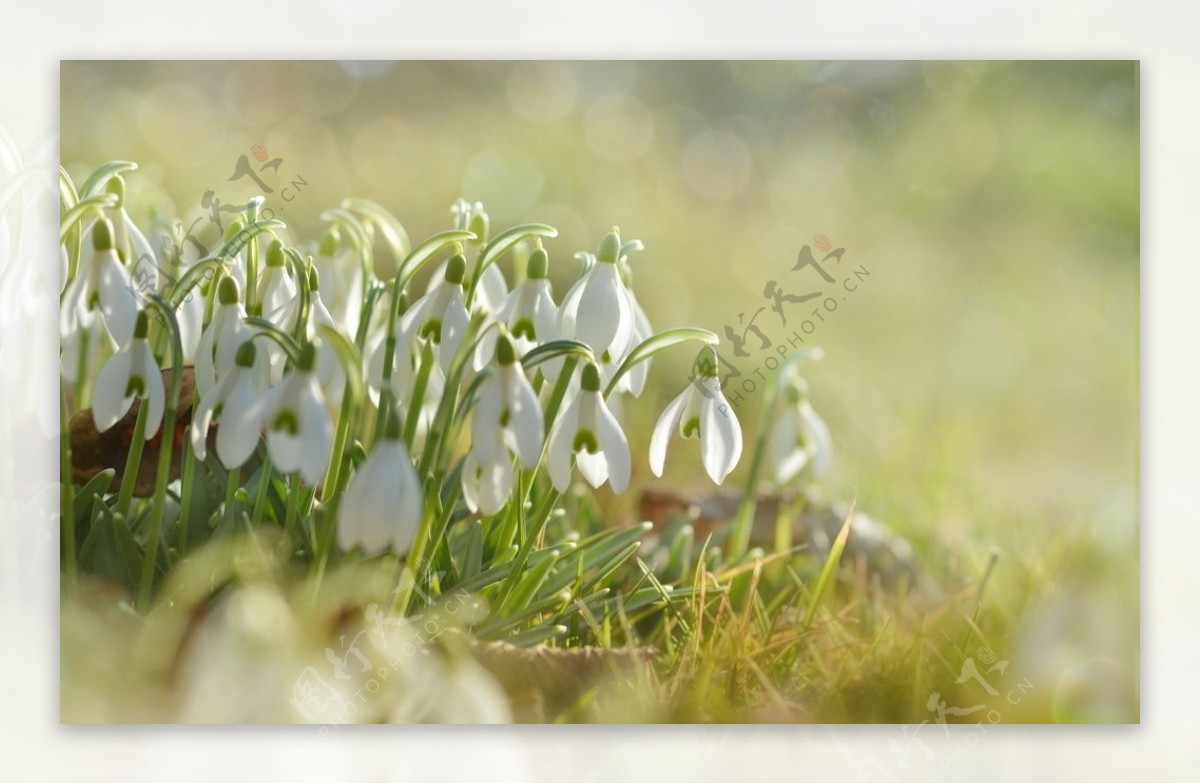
981	384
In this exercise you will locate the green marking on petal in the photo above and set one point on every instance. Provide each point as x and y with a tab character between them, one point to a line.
524	329
691	428
432	330
586	440
286	421
505	416
136	386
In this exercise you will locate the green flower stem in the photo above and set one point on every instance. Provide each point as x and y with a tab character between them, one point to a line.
133	462
231	486
252	308
356	230
293	509
415	556
413	418
82	387
285	341
502	243
412	264
531	535
185	499
68	197
559	392
67	499
264	482
300	328
164	454
743	521
96	203
656	343
353	399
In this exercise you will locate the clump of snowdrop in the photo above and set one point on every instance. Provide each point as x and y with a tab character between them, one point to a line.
394	417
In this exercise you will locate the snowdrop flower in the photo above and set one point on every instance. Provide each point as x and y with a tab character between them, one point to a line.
507	419
404	360
276	287
104	285
441	315
633	382
529	312
341	282
233	395
588	431
133	249
383	505
329	370
131	372
299	430
218	346
799	437
701	411
600	310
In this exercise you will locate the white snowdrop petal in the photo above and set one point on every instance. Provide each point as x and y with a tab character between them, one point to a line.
821	437
198	431
663	428
155	396
487	421
615	446
317	432
238	430
603	310
782	448
117	300
470	482
496	485
526	422
287	450
109	402
562	437
720	437
593	467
